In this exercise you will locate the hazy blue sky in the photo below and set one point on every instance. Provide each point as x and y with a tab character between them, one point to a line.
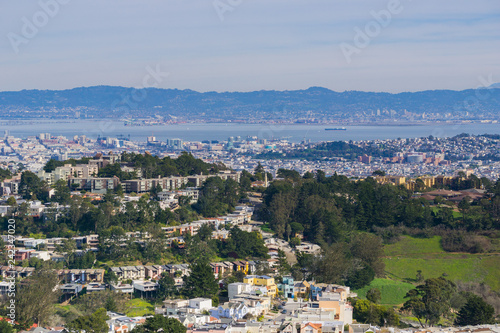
259	44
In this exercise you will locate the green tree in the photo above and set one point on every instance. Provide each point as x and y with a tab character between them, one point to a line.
205	232
371	313
463	207
369	248
95	323
378	173
110	277
295	241
289	174
35	297
297	228
419	276
368	312
5	327
63	193
4	173
361	277
475	312
243	244
391	318
108	299
166	287
374	295
330	267
217	197
419	185
200	282
11	201
429	301
159	323
259	168
68	248
31	186
283	265
52	164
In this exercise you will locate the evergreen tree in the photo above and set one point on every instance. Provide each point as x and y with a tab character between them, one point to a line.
166	287
95	323
5	327
431	300
475	312
200	282
374	295
159	323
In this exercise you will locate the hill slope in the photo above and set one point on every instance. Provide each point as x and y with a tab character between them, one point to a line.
411	254
108	101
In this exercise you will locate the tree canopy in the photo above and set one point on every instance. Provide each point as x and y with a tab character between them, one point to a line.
475	312
159	323
200	282
429	301
94	323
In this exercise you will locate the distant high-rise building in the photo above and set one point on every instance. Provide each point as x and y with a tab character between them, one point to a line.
365	159
175	144
415	158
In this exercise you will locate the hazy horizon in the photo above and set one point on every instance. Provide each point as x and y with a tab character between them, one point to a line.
236	45
250	91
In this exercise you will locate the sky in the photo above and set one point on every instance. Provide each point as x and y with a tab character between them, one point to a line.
248	45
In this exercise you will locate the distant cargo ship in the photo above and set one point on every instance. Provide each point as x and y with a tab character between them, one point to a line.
336	129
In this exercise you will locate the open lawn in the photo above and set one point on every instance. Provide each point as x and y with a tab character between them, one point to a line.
392	291
456	215
405	257
140	307
414	246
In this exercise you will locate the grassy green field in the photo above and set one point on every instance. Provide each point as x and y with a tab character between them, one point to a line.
405	257
139	307
392	291
414	246
68	312
456	214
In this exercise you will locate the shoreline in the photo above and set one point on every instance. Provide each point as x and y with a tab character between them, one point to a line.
32	121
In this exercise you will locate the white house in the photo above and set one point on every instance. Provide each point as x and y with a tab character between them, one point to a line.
124	288
230	310
42	255
33	243
237	288
200	304
145	287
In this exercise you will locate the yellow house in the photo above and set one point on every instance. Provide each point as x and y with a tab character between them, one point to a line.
262	281
302	289
241	266
395	180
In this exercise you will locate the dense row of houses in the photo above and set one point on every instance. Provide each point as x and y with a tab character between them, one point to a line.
83	177
154	272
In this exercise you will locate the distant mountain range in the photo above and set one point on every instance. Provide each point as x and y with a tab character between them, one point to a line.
315	102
